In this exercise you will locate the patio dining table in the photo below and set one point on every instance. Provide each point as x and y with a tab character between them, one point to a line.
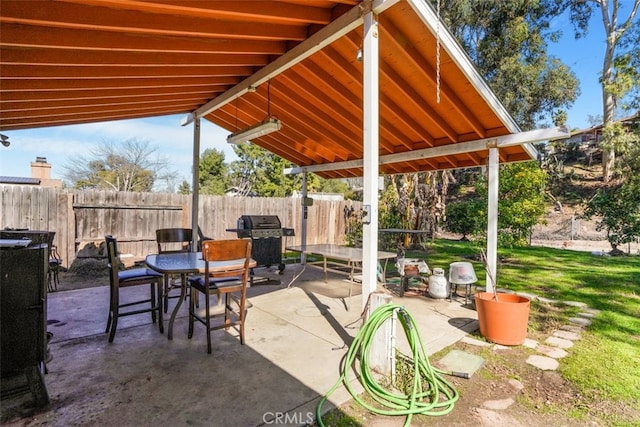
186	263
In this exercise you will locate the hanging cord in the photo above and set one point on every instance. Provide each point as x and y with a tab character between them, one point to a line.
431	394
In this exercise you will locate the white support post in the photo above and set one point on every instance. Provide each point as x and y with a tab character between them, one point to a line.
195	205
492	218
371	122
305	208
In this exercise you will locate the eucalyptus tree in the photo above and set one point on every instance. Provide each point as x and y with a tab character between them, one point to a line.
507	41
619	74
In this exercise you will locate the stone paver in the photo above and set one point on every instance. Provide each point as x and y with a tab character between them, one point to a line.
492	418
499	347
499	404
587	315
572	328
559	342
567	335
473	341
576	304
580	321
543	362
529	343
555	352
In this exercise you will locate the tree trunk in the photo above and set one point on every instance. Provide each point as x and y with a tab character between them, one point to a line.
608	100
614	32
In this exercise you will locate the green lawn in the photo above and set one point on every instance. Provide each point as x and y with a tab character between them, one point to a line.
607	360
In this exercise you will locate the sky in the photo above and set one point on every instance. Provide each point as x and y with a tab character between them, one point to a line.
174	142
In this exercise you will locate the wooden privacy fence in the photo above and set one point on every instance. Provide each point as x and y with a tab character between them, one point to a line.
82	218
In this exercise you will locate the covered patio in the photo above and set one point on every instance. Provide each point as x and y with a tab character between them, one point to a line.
360	87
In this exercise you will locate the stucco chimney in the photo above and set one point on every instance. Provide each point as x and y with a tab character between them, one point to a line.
40	168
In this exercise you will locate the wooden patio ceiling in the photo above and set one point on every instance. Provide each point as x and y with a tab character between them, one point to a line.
234	62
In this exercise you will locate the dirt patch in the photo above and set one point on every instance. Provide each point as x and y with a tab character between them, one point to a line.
600	247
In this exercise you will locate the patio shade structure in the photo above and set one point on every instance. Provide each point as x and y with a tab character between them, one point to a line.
414	102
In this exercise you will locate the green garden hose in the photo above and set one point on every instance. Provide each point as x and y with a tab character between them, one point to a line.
430	393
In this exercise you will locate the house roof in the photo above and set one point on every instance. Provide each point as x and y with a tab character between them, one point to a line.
236	62
625	121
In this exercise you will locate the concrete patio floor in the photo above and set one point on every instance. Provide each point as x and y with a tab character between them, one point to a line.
296	338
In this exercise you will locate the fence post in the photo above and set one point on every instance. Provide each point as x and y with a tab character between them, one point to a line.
66	228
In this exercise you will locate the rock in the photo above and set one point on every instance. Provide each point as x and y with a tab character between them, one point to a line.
473	341
492	418
500	404
567	335
559	342
580	321
576	304
555	352
543	362
517	385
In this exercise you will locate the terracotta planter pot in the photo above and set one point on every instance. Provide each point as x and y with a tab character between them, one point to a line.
504	321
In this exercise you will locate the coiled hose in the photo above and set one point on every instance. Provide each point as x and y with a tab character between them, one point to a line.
430	394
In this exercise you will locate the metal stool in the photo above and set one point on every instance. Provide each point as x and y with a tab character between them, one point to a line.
461	273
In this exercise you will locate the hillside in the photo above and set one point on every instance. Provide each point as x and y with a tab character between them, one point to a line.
567	193
571	185
562	226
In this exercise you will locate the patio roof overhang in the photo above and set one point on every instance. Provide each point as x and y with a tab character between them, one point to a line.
236	62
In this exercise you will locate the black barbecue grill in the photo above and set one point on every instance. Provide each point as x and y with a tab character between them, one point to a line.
265	232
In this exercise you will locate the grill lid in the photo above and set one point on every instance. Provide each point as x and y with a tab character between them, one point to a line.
253	222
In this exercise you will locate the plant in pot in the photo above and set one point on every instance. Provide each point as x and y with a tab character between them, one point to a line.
503	318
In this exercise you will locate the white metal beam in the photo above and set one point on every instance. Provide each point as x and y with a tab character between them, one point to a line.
522	138
380	6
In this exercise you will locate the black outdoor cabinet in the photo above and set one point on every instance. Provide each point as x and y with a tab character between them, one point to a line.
23	321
